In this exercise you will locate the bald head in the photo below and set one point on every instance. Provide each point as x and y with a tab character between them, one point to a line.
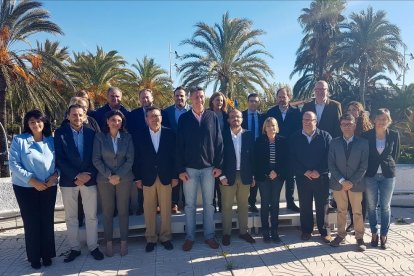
321	91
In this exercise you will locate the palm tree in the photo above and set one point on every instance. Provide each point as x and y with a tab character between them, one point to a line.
97	72
152	76
369	42
228	55
313	58
18	21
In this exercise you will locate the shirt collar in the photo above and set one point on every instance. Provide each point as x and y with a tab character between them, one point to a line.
77	132
182	109
153	132
195	114
251	112
238	134
348	140
313	133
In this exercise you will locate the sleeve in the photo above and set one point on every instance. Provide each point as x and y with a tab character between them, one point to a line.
218	146
180	146
165	118
136	166
337	125
322	167
126	168
396	149
333	168
97	157
15	161
297	167
62	163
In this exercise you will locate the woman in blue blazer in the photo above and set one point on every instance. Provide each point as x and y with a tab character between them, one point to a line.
34	178
384	149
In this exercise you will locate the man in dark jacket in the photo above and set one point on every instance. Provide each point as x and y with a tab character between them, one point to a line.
199	160
73	146
237	176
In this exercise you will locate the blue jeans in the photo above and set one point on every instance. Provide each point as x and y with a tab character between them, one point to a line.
203	178
379	190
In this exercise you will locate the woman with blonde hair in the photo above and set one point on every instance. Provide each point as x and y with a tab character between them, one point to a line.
270	157
361	116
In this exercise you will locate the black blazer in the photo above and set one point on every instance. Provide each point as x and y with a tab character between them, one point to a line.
149	164
292	122
168	117
245	123
330	116
387	158
246	158
135	121
261	157
68	160
100	114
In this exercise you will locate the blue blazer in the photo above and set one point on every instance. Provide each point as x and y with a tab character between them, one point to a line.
68	160
149	164
245	123
168	117
100	113
246	158
136	121
292	122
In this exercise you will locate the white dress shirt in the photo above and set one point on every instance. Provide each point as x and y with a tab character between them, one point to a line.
155	138
309	137
198	117
237	143
319	110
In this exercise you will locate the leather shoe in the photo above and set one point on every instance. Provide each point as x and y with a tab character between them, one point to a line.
305	236
253	209
247	237
383	242
188	245
275	238
35	265
212	243
150	246
167	245
293	207
225	240
71	256
326	239
47	261
97	254
174	209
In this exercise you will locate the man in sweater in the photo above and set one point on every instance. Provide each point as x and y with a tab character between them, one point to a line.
309	160
199	159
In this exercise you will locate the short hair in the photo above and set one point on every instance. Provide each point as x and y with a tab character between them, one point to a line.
287	89
152	108
216	95
75	106
113	89
347	117
268	120
180	88
77	100
82	94
383	111
196	89
234	110
251	95
110	114
38	115
144	90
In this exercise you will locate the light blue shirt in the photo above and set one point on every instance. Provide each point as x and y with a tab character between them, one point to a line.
30	159
178	112
78	138
256	122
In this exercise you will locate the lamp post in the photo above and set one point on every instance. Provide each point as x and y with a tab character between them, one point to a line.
405	66
170	52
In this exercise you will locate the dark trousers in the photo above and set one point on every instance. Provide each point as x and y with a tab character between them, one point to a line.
178	192
289	181
364	209
140	201
309	190
253	195
81	213
217	194
270	196
37	211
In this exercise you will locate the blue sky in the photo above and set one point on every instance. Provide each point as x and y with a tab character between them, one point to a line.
139	28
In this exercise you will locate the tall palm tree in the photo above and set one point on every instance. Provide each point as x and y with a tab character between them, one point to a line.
313	58
19	20
227	55
370	42
96	72
152	76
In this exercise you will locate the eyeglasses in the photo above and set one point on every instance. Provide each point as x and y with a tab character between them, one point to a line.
347	124
308	120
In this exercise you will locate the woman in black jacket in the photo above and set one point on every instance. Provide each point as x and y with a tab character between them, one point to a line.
269	157
384	148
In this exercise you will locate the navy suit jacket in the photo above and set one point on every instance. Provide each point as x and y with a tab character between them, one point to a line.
100	113
246	158
136	121
149	164
245	123
68	160
292	122
168	117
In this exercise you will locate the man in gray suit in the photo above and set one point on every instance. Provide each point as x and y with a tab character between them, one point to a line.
170	117
348	162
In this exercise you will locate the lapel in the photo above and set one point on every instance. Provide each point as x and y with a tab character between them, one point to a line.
68	137
147	136
387	143
87	146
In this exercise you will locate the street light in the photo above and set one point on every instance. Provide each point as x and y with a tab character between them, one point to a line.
405	66
177	57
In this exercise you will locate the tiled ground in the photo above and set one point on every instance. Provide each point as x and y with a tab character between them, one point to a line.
292	257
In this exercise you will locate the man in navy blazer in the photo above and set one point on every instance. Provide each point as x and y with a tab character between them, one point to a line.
252	118
237	176
155	174
73	149
170	116
114	98
289	120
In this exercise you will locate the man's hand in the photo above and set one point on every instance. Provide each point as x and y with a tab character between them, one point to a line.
38	185
216	172
79	182
347	185
184	176
139	184
84	177
315	174
253	183
52	180
272	175
174	183
224	181
114	179
308	174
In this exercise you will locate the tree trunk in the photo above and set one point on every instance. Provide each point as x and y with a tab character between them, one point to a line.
3	91
4	168
363	68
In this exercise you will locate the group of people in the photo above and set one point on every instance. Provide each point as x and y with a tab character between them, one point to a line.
139	161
